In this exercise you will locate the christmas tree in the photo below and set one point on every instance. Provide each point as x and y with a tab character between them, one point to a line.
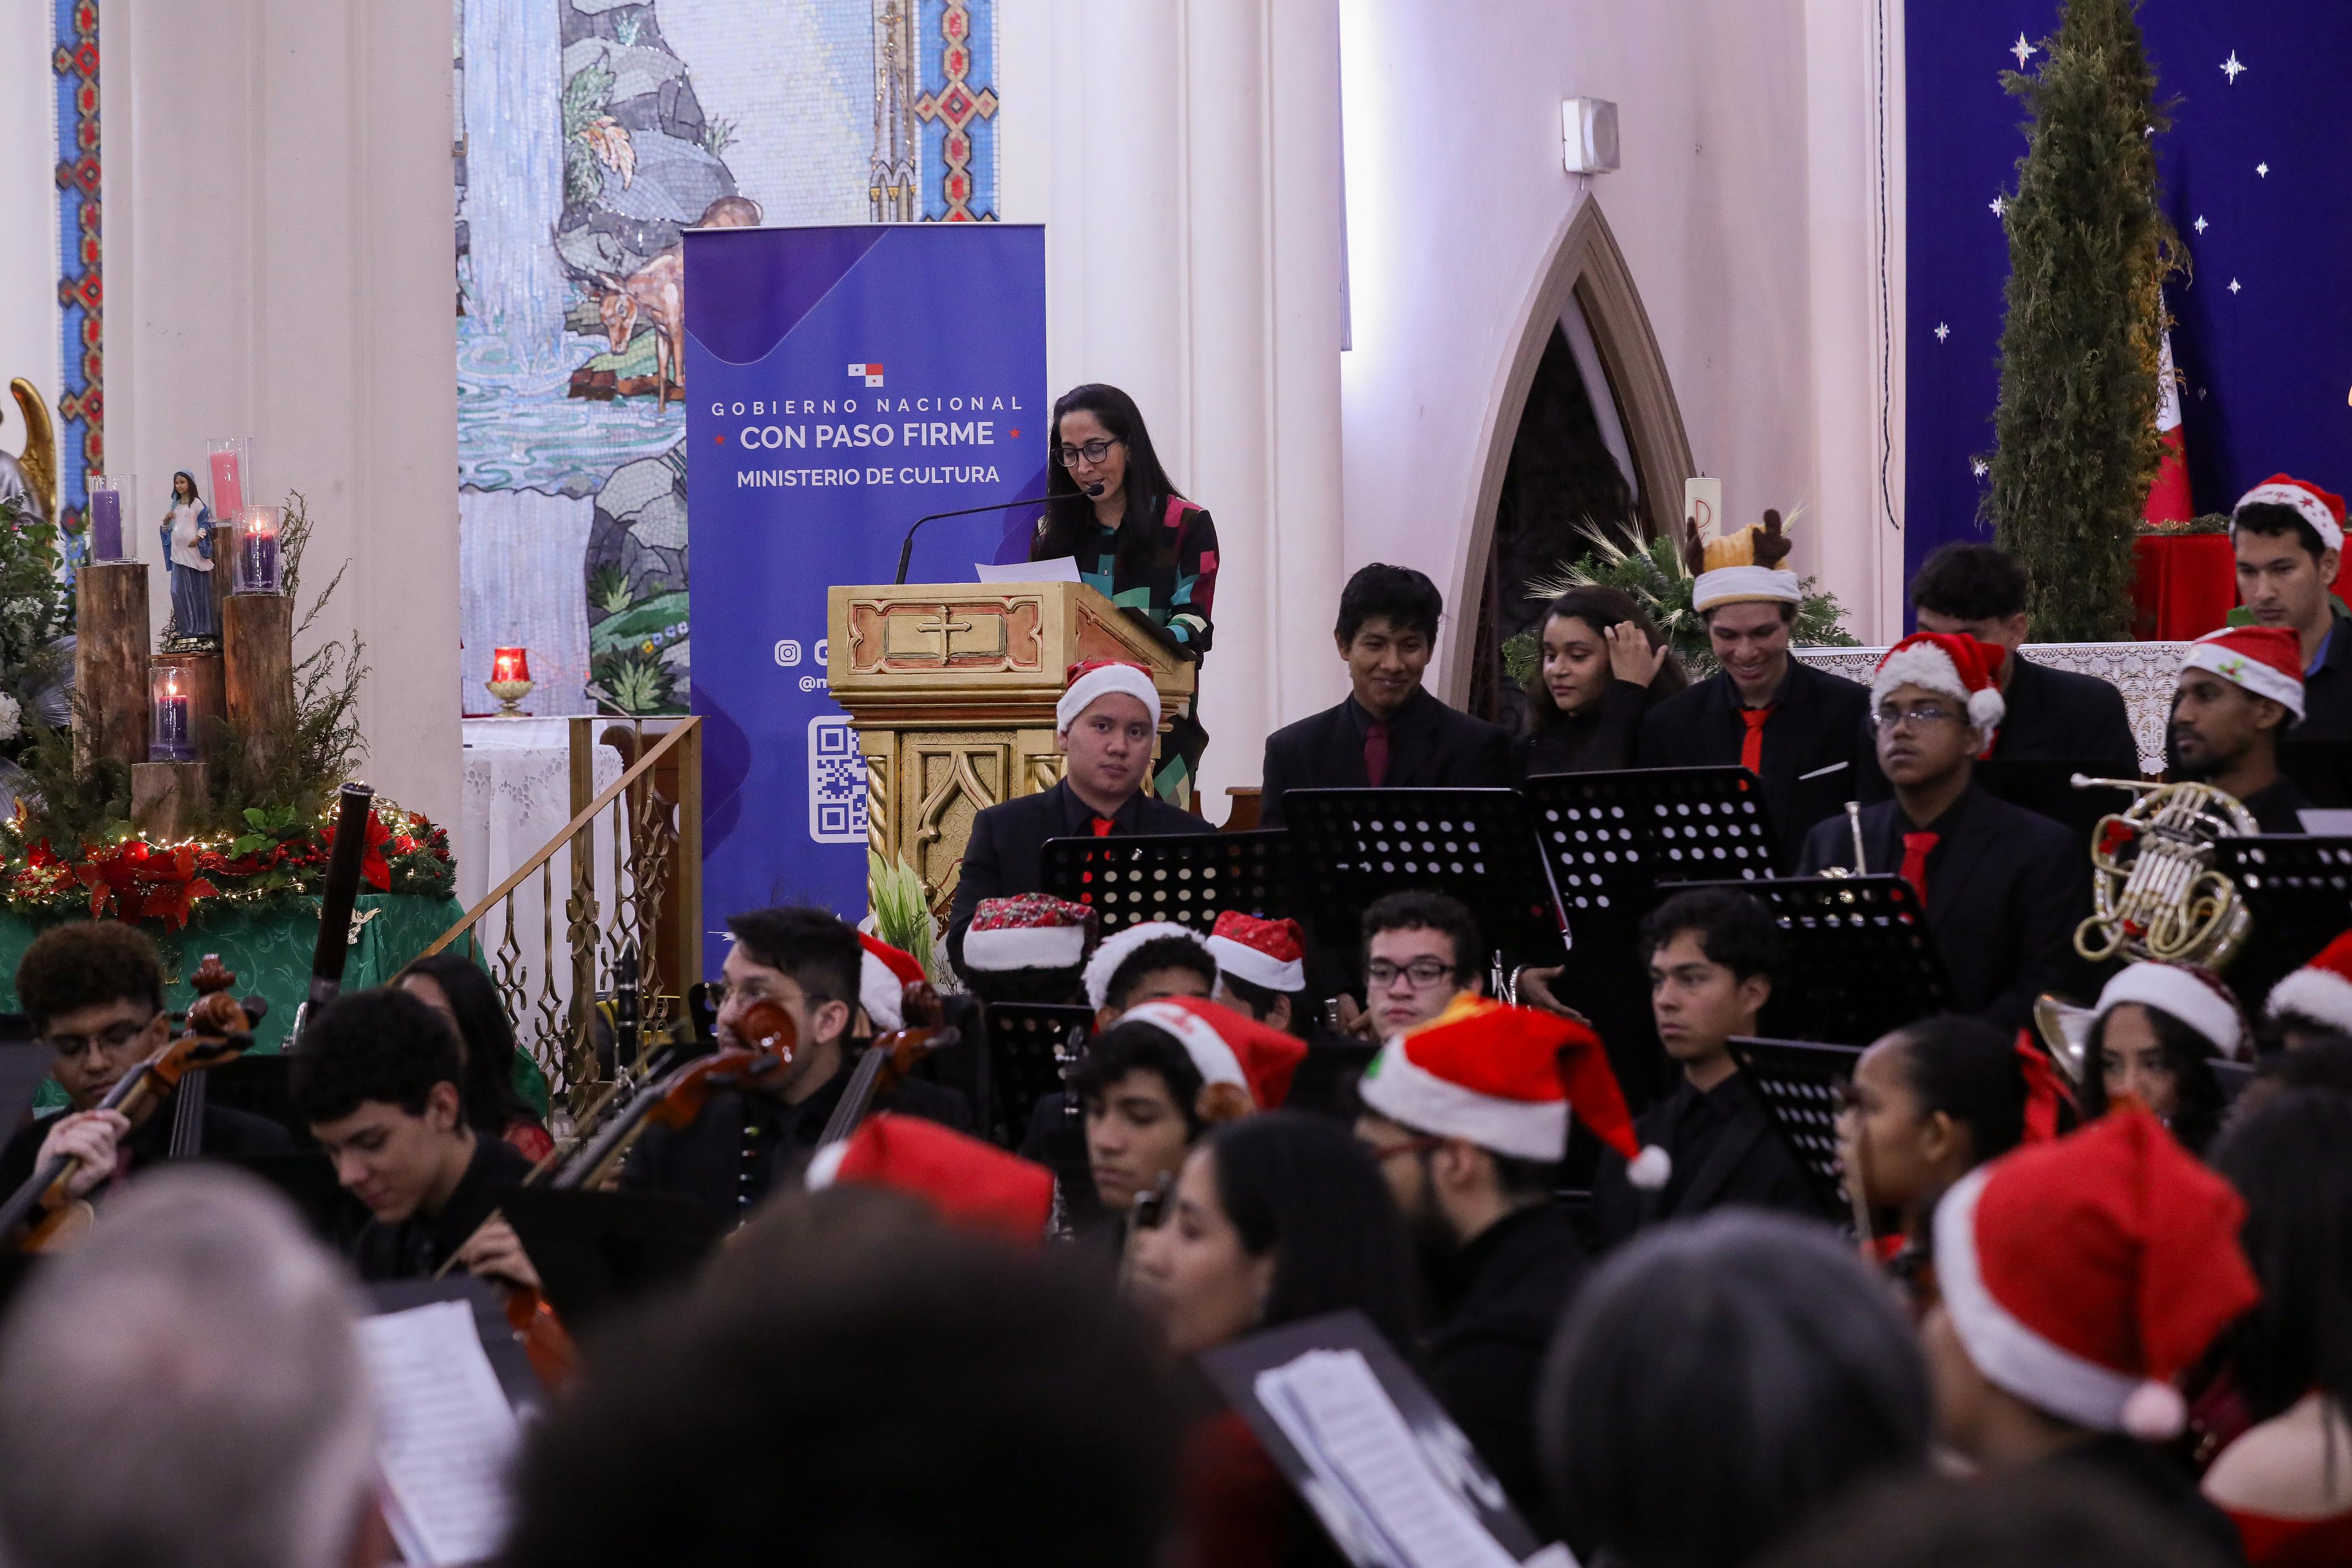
2076	428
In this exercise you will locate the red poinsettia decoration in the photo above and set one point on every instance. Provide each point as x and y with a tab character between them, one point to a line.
136	880
375	870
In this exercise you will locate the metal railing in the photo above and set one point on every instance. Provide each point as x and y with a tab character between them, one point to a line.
650	912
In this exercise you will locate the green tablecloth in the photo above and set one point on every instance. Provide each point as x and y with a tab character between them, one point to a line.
269	951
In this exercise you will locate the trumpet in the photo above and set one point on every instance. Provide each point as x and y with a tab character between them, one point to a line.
2155	893
1861	855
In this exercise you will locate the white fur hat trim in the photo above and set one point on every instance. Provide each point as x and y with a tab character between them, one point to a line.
1114	951
1929	667
2300	501
2320	995
1243	962
1738	584
1210	1053
1024	948
1101	682
2185	997
2257	677
879	991
1411	1095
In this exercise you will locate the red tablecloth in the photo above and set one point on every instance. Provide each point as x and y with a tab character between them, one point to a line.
2187	585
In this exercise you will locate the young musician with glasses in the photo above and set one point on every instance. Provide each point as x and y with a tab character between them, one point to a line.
1421	951
93	990
1137	541
2003	887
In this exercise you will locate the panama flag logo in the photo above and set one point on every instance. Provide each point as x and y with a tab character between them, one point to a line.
872	372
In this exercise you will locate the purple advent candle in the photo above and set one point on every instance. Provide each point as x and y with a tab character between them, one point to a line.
106	524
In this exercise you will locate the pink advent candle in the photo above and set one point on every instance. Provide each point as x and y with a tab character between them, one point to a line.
228	486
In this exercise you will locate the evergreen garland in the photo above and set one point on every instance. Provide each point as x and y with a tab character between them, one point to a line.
2075	436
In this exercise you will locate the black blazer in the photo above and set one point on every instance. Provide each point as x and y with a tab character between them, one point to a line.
1810	744
1005	854
2005	889
2055	716
2328	691
1431	746
1725	1151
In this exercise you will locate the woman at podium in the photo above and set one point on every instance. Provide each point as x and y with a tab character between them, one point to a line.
1137	542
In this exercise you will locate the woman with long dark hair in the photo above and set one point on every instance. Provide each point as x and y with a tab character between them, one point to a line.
1604	666
1137	541
456	987
2155	1031
2287	1482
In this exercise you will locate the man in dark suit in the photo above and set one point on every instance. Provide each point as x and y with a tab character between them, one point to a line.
2053	716
1388	733
2239	692
1795	727
2288	537
2003	887
1711	954
1105	725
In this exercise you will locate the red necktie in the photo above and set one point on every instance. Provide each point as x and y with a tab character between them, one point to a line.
1102	825
1376	753
1915	847
1751	745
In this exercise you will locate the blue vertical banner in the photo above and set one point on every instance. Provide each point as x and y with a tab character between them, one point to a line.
842	382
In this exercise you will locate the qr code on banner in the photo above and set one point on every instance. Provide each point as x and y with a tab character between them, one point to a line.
837	782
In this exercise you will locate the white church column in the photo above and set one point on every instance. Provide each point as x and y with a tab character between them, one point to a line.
279	264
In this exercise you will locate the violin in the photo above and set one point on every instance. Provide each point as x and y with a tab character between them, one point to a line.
673	1101
41	1214
890	1058
210	979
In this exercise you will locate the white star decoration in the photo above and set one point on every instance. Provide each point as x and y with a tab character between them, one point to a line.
1943	330
2231	67
2235	286
1978	467
2000	205
2023	50
2199	225
2263	170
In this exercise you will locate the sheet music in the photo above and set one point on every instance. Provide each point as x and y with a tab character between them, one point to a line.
1061	569
447	1435
1378	1488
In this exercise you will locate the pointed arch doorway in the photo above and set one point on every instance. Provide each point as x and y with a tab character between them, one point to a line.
1586	426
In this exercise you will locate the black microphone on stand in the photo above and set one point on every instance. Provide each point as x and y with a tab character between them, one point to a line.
906	550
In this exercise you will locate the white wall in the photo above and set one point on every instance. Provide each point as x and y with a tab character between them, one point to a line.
277	264
1183	155
1456	199
28	211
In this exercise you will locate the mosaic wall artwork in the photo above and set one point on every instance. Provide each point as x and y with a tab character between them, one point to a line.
81	406
590	133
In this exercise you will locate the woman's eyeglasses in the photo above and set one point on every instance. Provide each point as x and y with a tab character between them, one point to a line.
1093	452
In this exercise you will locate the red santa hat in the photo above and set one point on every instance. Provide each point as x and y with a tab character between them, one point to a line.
1951	664
1268	953
2082	1275
1114	951
970	1183
2195	997
1029	931
2322	510
1098	678
884	973
1227	1047
2265	659
1506	1079
2321	990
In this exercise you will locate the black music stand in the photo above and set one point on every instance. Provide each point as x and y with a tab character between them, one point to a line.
1802	1085
2322	769
1611	840
1860	959
597	1251
2299	891
1186	878
1350	846
1030	1046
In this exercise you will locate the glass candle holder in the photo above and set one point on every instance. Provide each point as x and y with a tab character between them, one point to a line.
510	679
173	738
254	564
113	518
231	460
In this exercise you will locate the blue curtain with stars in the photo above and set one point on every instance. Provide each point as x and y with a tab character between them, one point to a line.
2257	178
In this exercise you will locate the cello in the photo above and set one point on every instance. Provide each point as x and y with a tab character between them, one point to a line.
41	1214
672	1101
888	1059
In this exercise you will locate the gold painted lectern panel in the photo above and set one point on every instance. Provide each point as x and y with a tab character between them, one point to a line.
950	688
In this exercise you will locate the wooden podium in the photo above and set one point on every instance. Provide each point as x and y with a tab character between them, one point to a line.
950	688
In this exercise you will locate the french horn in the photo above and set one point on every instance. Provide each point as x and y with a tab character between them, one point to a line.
2153	892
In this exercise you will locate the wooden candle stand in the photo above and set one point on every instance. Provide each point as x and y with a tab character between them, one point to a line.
201	679
165	797
257	630
111	663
